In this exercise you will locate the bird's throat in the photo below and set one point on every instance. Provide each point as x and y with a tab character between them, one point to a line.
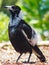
14	21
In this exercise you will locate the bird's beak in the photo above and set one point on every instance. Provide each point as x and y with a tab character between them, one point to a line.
8	7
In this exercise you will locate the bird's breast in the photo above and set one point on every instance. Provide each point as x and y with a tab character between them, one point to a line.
12	32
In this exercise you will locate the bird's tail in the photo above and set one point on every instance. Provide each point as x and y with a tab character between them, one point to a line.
38	53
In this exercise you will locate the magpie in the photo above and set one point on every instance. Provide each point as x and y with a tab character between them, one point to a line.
21	35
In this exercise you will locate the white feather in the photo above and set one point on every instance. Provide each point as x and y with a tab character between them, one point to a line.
21	14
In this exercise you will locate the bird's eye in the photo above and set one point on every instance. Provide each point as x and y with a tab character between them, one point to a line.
13	7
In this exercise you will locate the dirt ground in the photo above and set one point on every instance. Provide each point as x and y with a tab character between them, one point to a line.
8	56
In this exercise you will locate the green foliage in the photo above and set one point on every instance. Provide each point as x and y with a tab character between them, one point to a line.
37	10
3	27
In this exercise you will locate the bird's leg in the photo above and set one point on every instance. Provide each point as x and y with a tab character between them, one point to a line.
18	58
39	54
29	57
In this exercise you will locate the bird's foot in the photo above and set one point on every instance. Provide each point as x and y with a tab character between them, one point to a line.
25	62
29	62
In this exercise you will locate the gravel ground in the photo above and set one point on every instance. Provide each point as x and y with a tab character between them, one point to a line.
8	54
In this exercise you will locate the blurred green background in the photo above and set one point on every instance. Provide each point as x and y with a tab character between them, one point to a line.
36	15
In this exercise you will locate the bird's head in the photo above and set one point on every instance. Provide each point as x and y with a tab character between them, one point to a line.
13	9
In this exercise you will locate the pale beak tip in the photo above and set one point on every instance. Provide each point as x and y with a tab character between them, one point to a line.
5	7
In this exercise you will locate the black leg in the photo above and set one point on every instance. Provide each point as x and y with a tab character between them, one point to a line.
18	57
39	54
29	57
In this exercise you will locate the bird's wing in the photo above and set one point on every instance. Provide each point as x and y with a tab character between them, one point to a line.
33	42
27	29
34	38
29	33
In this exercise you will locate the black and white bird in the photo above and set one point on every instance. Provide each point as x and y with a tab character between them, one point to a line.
21	35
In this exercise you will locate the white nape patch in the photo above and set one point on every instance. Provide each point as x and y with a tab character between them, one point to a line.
21	14
16	20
